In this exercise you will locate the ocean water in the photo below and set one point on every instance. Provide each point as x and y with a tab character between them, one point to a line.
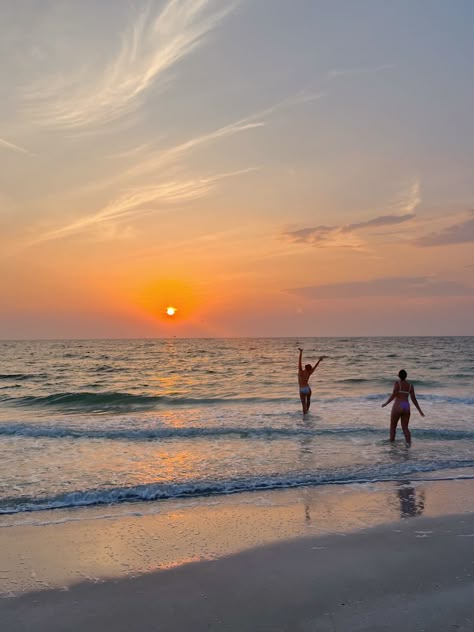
115	421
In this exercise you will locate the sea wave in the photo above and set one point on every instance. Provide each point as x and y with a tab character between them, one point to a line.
169	432
384	382
164	491
372	397
446	399
120	401
110	401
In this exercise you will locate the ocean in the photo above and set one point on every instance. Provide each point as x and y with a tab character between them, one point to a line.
106	422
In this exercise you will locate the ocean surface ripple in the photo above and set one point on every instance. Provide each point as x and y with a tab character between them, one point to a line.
113	421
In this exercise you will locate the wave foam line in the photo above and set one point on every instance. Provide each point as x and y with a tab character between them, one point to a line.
263	432
192	489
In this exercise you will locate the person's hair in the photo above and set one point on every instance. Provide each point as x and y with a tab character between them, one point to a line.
402	374
308	367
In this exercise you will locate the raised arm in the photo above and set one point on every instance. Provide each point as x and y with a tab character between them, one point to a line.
317	364
396	388
300	365
414	400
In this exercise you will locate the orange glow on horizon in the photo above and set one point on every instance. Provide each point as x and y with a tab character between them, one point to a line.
160	299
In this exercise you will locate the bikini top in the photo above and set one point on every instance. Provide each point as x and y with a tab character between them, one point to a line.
404	392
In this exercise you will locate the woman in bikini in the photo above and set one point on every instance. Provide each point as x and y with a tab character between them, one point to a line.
303	377
402	390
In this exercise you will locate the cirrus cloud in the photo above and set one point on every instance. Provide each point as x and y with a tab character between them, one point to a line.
12	146
152	44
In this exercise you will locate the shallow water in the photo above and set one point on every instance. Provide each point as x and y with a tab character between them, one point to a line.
91	422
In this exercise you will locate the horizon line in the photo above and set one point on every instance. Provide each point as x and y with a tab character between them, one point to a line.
230	337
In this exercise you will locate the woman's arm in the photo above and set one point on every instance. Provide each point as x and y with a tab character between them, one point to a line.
300	365
317	364
414	400
393	395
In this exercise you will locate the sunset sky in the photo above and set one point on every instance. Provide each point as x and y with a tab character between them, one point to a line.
265	167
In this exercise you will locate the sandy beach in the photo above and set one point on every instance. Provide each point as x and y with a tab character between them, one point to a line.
414	576
346	562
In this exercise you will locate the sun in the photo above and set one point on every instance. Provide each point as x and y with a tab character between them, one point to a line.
171	311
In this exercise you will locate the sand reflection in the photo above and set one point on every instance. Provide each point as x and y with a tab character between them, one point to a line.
412	502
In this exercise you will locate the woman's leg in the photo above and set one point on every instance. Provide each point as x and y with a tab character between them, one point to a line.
303	402
394	417
406	431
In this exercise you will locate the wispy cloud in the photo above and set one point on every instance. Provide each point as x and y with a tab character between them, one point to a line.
171	160
12	146
149	48
407	287
175	154
346	235
163	161
143	199
170	155
409	201
460	233
172	189
382	220
342	236
324	237
358	70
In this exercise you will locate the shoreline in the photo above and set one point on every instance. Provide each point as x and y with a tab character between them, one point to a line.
413	575
61	548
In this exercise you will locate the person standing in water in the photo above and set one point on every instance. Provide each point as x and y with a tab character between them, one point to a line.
303	378
402	390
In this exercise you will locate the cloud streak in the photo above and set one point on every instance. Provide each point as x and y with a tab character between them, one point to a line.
162	158
406	287
345	236
461	233
358	70
411	200
143	199
149	48
171	191
13	147
342	236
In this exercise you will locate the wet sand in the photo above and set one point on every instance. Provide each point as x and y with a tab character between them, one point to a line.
354	557
414	575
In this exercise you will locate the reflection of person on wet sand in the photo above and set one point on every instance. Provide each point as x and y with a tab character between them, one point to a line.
402	390
303	378
306	458
410	507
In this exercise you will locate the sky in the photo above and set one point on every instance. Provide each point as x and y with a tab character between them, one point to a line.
265	167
